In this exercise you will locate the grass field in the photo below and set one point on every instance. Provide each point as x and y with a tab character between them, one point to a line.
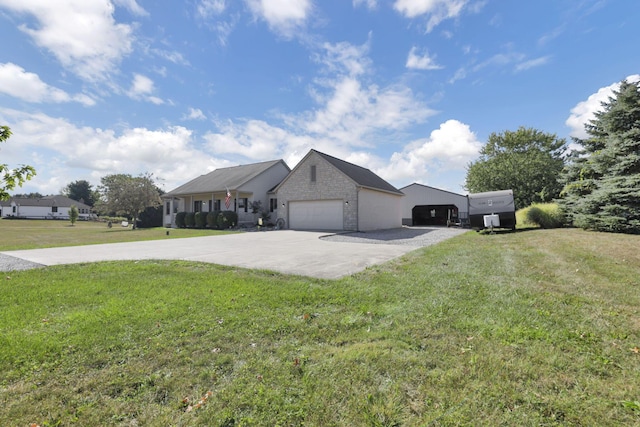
532	328
32	234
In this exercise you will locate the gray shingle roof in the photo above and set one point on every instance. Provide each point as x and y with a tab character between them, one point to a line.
231	178
361	176
46	201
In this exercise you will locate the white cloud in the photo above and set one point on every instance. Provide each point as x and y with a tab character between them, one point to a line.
584	111
17	82
284	17
343	57
194	114
438	10
351	115
132	6
532	63
370	4
142	87
207	8
449	147
81	34
74	152
423	62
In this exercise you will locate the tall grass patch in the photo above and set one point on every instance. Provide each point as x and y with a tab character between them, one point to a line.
543	215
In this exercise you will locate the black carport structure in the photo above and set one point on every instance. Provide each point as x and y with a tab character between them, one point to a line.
434	214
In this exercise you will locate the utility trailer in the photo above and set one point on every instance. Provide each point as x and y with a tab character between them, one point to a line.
498	203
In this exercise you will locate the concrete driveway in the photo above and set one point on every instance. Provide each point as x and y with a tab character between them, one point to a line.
285	251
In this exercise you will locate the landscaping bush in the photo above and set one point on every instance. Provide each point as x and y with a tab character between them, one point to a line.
227	219
543	215
190	219
201	219
180	219
212	219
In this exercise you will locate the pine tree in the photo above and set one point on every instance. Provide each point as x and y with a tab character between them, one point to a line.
602	180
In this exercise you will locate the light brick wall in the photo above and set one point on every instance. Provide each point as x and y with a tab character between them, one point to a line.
330	184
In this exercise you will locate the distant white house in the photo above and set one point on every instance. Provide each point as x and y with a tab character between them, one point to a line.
48	207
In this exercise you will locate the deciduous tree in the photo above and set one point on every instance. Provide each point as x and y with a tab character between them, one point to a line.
527	160
124	194
73	214
10	178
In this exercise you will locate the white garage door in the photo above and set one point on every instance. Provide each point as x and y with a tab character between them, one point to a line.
316	215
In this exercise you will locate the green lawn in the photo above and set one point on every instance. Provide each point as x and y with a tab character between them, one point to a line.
32	234
532	328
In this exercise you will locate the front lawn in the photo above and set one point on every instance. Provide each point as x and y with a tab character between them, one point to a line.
529	328
20	234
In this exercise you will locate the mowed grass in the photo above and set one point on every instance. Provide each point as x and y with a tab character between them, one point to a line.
32	234
530	328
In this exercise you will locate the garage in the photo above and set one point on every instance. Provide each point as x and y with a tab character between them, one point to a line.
316	215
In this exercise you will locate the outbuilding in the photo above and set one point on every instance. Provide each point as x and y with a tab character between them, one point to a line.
424	205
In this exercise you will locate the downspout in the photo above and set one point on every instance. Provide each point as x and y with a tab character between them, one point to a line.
358	208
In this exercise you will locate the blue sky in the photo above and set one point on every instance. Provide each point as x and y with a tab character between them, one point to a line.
410	89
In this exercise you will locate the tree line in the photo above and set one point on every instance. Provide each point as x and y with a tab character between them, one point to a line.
597	185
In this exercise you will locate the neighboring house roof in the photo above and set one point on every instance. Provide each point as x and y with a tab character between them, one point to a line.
46	201
432	188
361	176
223	179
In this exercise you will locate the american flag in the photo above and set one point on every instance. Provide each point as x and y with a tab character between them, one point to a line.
227	200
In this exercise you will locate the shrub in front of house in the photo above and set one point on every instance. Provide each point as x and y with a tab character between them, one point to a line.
201	219
180	219
544	215
190	219
227	219
212	219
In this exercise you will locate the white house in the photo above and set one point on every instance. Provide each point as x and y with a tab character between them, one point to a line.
244	184
325	193
48	207
424	205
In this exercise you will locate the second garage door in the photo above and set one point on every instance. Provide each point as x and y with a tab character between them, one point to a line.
316	215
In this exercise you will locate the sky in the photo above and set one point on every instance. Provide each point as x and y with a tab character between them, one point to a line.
410	89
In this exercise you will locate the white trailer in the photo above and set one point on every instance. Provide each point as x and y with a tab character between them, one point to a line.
498	203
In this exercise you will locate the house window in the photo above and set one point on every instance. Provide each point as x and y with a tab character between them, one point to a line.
313	173
197	206
243	203
273	205
168	211
216	205
54	209
13	209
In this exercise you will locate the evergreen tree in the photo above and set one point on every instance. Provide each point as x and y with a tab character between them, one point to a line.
602	180
81	191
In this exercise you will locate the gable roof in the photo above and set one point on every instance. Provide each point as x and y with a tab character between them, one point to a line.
416	184
46	201
361	176
230	178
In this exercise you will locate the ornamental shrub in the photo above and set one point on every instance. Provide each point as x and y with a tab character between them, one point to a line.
544	215
212	219
190	219
227	219
180	219
200	219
